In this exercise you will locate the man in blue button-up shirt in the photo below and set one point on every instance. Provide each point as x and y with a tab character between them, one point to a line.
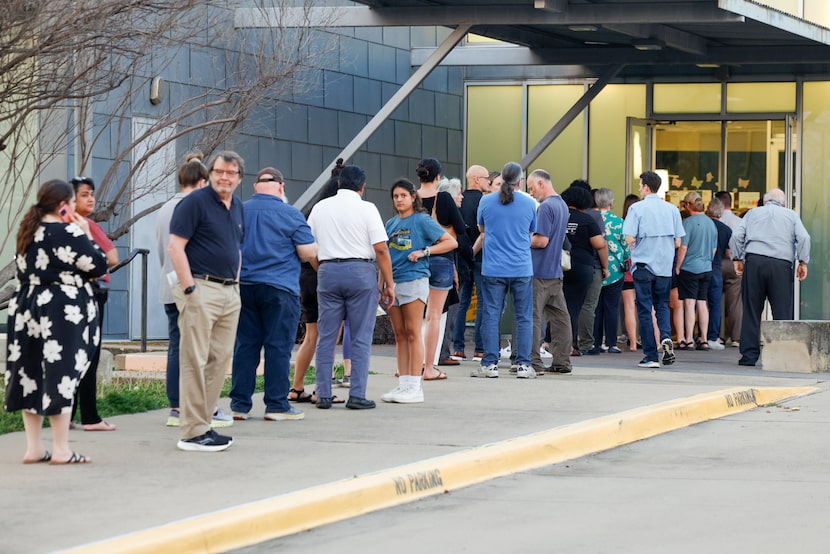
653	230
765	247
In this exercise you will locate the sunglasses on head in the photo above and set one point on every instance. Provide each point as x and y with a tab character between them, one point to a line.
267	180
82	181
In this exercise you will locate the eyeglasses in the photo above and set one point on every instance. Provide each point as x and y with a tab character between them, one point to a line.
225	172
268	180
480	177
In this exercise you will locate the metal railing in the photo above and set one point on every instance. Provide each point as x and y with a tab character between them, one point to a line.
143	252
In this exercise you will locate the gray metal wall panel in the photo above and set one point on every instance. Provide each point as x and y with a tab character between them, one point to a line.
339	91
382	63
322	126
422	107
367	96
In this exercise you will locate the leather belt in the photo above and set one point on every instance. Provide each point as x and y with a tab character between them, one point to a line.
213	279
340	260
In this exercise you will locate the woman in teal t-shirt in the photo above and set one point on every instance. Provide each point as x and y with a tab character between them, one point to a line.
413	236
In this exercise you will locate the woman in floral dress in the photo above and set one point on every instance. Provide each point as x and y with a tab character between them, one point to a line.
53	319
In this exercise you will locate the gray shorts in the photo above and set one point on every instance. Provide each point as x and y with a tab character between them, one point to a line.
412	291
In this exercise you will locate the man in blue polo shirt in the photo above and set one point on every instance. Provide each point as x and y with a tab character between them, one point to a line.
653	229
206	232
277	239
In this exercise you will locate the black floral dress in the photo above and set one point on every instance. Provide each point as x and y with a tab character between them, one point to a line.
53	320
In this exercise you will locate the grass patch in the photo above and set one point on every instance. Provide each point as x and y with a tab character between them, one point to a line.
131	396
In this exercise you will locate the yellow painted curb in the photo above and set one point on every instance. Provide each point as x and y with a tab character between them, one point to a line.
315	506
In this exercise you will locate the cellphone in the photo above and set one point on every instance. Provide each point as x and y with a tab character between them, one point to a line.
66	213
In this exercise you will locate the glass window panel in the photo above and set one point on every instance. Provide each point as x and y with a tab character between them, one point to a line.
746	162
687	97
608	115
690	152
494	125
815	174
546	104
760	97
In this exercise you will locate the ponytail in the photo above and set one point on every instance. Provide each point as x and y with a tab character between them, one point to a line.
506	193
50	196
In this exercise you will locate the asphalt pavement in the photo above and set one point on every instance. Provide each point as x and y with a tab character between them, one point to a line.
143	494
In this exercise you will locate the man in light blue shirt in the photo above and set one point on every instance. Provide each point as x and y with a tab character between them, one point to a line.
764	248
653	229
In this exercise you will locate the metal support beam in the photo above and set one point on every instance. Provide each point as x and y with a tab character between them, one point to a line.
491	56
397	99
585	14
674	38
569	116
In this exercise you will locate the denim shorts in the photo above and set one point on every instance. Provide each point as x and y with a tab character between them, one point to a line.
441	272
411	291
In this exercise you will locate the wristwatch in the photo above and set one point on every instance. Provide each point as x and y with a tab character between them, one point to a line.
426	251
189	290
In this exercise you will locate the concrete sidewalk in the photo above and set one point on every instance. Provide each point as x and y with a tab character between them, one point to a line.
139	480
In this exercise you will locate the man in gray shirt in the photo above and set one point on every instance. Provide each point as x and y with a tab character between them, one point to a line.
764	248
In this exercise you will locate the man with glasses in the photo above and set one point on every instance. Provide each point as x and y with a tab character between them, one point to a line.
478	184
206	233
653	230
277	239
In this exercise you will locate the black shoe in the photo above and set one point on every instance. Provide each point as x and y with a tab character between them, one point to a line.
324	402
209	442
595	351
356	403
746	361
559	369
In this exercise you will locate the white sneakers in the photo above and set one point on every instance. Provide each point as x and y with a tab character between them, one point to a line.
404	395
491	371
543	352
506	351
525	372
715	345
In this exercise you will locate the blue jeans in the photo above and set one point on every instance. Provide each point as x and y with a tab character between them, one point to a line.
493	292
715	298
652	291
465	298
172	354
268	320
346	291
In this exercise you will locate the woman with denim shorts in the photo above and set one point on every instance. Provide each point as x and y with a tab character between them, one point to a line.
414	237
442	208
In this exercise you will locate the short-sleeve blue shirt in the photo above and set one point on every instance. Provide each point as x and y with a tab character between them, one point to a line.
551	222
410	233
273	230
507	229
701	240
654	223
214	233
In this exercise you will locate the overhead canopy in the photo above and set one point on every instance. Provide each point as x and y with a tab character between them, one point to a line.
650	38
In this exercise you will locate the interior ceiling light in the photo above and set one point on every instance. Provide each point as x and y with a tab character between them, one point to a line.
648	44
583	28
707	65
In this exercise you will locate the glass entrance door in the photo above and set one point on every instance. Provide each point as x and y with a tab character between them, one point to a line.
746	158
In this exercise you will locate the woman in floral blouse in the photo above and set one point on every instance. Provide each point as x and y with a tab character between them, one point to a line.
607	314
53	319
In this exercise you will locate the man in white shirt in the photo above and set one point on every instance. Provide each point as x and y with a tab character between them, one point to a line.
350	236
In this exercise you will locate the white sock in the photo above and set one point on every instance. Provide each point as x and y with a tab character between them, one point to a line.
415	382
403	381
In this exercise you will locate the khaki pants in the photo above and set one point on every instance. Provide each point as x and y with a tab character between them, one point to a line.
207	322
549	306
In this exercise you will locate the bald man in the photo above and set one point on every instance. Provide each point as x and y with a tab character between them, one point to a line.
469	269
770	248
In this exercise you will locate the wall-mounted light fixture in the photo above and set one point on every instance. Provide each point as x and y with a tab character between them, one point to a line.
157	91
583	28
648	44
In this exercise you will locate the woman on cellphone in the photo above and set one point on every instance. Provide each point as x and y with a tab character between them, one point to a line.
414	237
53	319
